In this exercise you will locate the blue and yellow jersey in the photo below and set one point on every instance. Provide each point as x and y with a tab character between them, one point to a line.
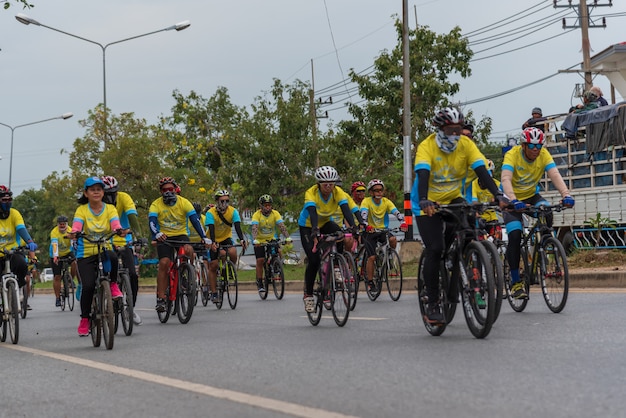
484	196
338	217
191	231
222	230
125	206
377	215
9	229
172	219
59	244
325	208
526	174
447	171
268	225
94	225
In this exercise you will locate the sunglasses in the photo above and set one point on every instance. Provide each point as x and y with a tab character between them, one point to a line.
167	189
6	199
377	190
224	201
327	184
452	129
534	146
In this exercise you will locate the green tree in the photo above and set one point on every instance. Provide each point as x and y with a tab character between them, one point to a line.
25	4
39	217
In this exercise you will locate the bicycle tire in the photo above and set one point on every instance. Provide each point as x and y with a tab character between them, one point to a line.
518	305
221	287
204	284
14	314
278	281
95	321
24	305
164	316
3	327
352	281
32	286
186	292
438	329
371	294
340	294
554	277
125	304
108	314
498	273
267	279
316	316
232	285
477	264
70	290
392	274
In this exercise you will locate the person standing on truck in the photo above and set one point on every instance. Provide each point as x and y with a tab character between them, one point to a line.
522	169
535	120
598	92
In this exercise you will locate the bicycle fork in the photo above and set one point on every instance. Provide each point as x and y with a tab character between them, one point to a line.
5	292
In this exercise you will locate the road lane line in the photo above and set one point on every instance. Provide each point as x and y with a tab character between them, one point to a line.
288	408
354	318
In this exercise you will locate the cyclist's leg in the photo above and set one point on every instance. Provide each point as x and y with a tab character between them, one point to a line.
56	281
128	260
113	260
513	222
370	256
430	229
259	253
87	268
165	253
311	268
213	263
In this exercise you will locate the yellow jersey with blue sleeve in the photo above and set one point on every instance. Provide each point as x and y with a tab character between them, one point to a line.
325	208
447	170
338	217
526	174
191	231
9	228
268	225
125	206
60	246
377	215
172	220
223	231
94	225
484	196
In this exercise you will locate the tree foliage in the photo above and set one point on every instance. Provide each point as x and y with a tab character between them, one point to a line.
25	4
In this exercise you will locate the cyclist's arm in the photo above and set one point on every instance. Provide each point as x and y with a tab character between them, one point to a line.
347	214
212	232
487	180
239	231
283	229
153	223
423	177
255	231
133	220
312	215
558	182
506	181
195	221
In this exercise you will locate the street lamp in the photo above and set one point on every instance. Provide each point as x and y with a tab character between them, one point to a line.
13	128
22	18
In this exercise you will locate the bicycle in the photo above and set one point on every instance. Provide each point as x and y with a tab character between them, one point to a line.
102	318
10	306
24	307
330	290
202	275
227	277
273	270
125	306
67	283
351	256
180	293
542	261
490	235
34	274
465	267
387	268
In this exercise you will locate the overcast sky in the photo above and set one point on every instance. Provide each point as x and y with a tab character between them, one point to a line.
242	45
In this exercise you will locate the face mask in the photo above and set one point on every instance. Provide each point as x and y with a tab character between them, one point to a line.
222	205
6	206
447	144
169	198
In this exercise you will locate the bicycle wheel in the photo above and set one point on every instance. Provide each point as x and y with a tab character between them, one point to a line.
70	291
24	306
221	286
67	296
267	278
498	273
125	304
95	322
392	274
14	314
165	315
340	294
554	277
351	280
232	286
435	330
204	284
316	316
479	293
108	314
278	280
186	292
3	327
32	287
372	293
519	305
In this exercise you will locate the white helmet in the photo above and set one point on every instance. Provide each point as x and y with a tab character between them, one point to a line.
326	173
375	182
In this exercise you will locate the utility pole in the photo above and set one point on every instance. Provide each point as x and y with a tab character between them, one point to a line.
314	117
406	121
584	22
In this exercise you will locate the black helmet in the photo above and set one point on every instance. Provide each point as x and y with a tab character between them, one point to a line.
61	219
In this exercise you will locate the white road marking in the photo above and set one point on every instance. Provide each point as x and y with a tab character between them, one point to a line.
288	408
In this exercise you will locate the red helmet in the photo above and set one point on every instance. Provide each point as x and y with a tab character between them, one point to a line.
356	185
532	136
5	191
166	180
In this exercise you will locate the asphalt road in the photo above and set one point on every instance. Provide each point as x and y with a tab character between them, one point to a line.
264	359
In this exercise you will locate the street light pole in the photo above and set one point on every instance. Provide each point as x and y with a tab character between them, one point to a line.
22	18
13	128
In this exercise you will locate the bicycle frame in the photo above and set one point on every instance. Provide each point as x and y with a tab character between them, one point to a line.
9	276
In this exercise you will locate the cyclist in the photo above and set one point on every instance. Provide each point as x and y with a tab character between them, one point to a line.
220	220
60	246
358	192
168	216
320	203
93	218
12	229
522	169
127	212
442	161
265	223
480	194
375	210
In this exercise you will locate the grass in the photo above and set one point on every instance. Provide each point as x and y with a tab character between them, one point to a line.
596	258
